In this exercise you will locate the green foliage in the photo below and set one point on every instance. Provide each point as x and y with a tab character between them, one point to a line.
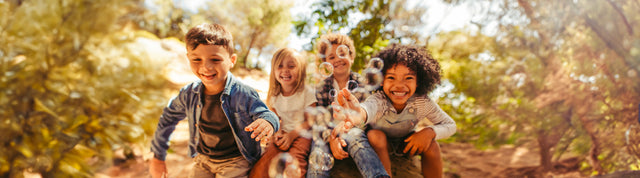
370	34
75	87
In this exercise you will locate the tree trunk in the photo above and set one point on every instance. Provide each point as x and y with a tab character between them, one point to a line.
545	151
594	151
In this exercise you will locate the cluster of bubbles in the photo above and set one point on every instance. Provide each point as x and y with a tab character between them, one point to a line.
319	122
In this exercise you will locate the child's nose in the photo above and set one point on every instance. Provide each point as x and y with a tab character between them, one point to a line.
208	65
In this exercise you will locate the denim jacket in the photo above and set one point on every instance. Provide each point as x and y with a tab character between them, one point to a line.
240	103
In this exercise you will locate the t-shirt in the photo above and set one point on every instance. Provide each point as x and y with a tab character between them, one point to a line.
420	112
216	138
291	108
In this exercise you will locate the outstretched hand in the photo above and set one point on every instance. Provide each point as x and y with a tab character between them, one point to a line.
349	108
419	142
262	130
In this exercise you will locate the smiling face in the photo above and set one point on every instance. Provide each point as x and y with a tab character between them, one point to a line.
341	66
399	85
287	73
211	63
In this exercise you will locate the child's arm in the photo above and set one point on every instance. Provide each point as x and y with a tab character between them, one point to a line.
443	125
171	115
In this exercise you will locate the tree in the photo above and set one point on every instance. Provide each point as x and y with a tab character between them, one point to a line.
557	71
259	28
75	86
381	22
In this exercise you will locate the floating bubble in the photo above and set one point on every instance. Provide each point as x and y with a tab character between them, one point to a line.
320	160
284	166
375	63
342	51
315	79
325	69
333	93
352	85
373	79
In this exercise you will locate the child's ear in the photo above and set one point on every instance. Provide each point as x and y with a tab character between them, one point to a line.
233	59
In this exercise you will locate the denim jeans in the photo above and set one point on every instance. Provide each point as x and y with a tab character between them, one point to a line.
360	150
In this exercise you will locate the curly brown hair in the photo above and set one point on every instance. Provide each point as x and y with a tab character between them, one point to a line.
418	60
326	40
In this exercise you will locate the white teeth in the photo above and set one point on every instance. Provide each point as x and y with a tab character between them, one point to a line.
286	78
399	93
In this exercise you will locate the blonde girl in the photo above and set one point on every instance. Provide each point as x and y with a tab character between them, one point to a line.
287	97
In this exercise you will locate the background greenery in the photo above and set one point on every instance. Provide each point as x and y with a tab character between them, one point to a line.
77	84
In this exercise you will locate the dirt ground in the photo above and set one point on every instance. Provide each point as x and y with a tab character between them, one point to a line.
461	160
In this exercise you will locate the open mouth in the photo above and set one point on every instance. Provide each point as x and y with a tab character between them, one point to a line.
208	77
338	64
399	93
285	78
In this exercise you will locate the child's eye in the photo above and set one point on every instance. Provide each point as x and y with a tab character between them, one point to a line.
389	77
410	78
196	60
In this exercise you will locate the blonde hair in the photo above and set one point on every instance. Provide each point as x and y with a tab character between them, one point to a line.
275	88
338	39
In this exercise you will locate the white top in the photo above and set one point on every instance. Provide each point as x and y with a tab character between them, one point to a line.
291	108
419	113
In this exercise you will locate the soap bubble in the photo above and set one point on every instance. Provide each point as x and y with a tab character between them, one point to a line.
333	93
373	79
320	160
325	69
342	51
284	166
375	63
352	85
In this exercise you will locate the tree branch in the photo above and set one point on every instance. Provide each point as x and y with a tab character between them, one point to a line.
624	18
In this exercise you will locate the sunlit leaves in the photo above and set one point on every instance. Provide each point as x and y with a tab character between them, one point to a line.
76	86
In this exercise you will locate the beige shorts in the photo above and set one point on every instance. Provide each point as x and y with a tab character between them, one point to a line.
231	167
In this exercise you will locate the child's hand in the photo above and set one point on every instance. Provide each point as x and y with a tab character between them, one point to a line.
347	100
157	168
419	142
349	107
262	130
341	128
336	144
284	140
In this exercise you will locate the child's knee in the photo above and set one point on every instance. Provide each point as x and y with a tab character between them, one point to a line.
433	152
377	138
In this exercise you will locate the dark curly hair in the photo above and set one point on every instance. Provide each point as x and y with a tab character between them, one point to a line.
418	60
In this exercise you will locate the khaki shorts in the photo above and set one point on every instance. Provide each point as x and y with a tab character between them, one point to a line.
231	167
